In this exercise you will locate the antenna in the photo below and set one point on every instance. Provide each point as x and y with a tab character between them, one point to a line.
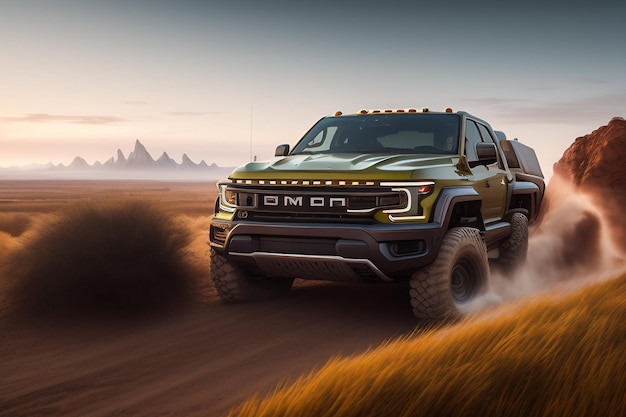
250	133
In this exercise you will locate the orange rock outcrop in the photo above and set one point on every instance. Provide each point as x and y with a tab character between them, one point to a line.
596	164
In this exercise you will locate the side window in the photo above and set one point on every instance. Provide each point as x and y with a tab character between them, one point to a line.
472	137
485	133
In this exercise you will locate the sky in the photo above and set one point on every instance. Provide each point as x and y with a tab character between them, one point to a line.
226	81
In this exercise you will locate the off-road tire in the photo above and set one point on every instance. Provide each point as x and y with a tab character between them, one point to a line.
236	285
514	249
458	275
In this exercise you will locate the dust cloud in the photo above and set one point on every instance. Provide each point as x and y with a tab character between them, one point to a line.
570	246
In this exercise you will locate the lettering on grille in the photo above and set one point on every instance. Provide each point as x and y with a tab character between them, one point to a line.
314	203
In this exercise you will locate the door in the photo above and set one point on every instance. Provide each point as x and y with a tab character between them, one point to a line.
490	180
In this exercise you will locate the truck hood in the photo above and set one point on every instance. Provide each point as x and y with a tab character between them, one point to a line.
345	165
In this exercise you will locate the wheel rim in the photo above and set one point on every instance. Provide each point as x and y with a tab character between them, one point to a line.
463	282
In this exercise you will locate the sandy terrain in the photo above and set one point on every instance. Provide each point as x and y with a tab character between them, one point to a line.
201	361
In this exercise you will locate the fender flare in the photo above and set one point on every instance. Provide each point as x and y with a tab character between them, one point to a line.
448	198
530	189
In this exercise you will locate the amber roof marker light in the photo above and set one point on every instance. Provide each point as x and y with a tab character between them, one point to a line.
409	110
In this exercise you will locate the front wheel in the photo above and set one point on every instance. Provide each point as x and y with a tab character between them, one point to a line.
459	274
236	285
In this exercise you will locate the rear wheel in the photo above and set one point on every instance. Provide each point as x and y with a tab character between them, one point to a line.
460	273
236	285
514	249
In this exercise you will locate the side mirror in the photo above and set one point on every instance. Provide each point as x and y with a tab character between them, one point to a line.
487	153
282	150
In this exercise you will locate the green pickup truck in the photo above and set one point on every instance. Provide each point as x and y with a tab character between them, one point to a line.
415	197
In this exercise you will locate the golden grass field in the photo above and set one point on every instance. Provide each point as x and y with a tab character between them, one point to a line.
552	357
556	354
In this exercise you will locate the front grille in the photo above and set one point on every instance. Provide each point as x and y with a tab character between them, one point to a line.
313	201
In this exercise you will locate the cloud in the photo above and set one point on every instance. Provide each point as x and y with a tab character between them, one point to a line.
56	118
576	111
190	113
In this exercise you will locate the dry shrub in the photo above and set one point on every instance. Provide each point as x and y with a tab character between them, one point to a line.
7	243
106	257
14	223
548	358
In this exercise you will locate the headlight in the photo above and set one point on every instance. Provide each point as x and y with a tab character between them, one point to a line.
228	198
413	191
232	199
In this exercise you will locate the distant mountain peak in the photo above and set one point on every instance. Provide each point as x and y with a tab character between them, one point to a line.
139	147
79	163
165	161
140	158
138	164
188	163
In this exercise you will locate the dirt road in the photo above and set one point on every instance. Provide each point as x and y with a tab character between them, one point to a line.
200	362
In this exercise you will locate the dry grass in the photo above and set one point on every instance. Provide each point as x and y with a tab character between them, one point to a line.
15	224
110	257
102	246
548	358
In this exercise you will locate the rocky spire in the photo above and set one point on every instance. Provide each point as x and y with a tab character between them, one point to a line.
140	158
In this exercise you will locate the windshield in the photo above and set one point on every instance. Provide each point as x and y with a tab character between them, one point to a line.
416	133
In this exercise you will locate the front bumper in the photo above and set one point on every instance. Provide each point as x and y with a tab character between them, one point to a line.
328	251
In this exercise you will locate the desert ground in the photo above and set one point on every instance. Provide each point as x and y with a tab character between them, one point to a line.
200	360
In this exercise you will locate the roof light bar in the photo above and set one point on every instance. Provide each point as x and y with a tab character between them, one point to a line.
410	110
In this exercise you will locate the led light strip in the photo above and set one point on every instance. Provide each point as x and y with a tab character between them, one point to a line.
306	182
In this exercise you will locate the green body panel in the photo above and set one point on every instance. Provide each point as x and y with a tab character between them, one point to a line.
375	167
